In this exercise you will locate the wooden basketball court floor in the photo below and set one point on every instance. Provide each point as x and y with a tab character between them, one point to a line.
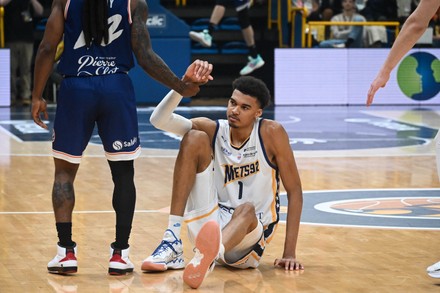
337	257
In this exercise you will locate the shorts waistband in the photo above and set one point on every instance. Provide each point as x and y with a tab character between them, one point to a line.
227	209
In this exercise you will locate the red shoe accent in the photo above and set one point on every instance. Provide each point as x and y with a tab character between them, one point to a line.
70	255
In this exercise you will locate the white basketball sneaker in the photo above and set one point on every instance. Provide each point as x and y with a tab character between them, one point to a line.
168	255
119	263
252	65
203	37
434	270
64	262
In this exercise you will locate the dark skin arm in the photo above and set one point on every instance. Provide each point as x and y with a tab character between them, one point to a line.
45	59
150	62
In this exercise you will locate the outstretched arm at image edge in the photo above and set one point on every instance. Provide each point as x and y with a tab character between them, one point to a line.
412	30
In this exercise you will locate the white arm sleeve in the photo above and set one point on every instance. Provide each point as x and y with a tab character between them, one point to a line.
163	117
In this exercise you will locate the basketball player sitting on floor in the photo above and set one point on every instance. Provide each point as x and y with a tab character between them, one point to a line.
226	184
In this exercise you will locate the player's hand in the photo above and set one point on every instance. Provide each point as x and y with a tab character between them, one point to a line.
380	81
288	263
199	72
39	106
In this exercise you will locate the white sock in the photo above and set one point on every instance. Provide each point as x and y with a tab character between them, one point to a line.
175	225
221	252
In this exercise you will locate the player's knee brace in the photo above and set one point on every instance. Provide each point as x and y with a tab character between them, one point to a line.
243	18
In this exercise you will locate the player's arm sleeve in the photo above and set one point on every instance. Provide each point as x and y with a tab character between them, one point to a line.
163	117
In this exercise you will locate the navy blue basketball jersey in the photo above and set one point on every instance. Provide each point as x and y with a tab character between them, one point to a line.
114	57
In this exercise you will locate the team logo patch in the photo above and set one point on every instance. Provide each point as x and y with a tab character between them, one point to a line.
117	145
384	208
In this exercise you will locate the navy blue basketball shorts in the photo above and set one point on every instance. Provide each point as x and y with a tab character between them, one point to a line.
105	101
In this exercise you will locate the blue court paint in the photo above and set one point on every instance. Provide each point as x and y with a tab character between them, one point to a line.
371	208
309	128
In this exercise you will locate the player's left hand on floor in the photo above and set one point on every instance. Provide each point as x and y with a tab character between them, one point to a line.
289	264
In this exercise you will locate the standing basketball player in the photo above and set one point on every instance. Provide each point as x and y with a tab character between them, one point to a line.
226	185
412	30
100	38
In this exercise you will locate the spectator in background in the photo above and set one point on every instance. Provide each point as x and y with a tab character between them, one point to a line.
329	8
378	10
311	9
403	10
19	38
313	13
435	24
346	36
414	4
242	9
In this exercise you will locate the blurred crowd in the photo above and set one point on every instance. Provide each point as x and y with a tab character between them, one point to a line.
368	10
24	24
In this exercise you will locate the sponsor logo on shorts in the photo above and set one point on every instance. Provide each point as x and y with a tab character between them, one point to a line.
119	145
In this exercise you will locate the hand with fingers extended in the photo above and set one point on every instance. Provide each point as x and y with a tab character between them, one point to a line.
199	72
39	106
379	82
288	263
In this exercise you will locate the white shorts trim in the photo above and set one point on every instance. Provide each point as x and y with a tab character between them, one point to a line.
66	157
123	156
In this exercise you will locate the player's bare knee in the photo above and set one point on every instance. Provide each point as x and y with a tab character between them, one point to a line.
65	176
195	140
245	211
195	145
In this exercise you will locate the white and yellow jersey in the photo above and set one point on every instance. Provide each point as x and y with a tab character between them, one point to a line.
244	174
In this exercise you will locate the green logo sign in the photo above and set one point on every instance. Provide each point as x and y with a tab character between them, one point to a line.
418	76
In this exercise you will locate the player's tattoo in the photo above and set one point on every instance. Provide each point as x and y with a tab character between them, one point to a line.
61	193
145	55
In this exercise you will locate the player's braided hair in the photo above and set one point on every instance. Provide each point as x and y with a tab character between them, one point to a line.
94	21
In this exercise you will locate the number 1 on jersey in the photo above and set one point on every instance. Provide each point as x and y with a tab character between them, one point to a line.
240	189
